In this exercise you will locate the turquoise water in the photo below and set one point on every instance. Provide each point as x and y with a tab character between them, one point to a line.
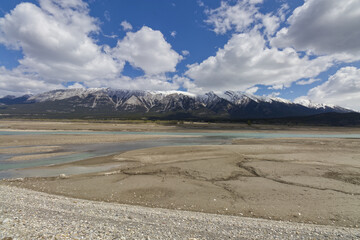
45	161
206	134
85	151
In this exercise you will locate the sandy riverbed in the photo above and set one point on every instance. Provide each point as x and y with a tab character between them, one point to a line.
139	126
300	180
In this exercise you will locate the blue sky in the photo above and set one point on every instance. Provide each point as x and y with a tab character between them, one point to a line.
298	50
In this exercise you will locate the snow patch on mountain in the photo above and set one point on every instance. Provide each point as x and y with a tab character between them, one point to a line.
308	103
65	94
168	100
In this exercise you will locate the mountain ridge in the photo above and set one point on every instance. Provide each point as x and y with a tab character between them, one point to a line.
110	102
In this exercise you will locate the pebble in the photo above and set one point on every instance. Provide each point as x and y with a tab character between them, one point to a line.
26	214
63	176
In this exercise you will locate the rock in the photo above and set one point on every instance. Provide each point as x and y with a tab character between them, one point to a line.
63	176
6	220
16	180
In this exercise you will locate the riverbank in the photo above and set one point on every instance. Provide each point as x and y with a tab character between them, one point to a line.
300	180
305	180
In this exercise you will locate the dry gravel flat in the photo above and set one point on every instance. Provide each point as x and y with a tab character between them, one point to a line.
26	214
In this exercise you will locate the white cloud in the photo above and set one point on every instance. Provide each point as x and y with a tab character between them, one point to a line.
252	90
110	36
185	52
154	82
276	87
200	3
255	1
58	42
107	16
16	83
54	39
283	11
340	89
126	25
246	61
271	23
188	84
244	16
76	85
274	95
308	81
53	4
147	49
324	27
58	46
238	17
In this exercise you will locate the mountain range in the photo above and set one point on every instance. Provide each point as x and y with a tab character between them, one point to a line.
138	104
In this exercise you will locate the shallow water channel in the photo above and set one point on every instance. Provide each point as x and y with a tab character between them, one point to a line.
12	169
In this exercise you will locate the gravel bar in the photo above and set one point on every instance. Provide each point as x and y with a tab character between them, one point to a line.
26	214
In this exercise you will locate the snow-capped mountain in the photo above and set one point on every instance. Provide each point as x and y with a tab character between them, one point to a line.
121	103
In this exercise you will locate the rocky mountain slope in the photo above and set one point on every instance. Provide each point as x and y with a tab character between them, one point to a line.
108	102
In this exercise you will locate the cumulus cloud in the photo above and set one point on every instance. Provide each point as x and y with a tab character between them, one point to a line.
273	94
147	49
308	81
239	16
54	39
319	33
58	42
185	52
126	25
57	39
244	16
340	89
154	82
15	82
76	85
252	90
324	27
271	23
246	60
187	83
283	11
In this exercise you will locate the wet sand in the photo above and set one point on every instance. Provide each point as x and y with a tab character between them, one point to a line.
29	150
38	156
42	145
299	180
77	138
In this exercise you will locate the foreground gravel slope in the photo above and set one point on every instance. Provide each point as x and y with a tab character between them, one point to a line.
26	214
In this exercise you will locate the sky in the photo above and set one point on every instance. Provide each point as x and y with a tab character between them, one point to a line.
297	50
